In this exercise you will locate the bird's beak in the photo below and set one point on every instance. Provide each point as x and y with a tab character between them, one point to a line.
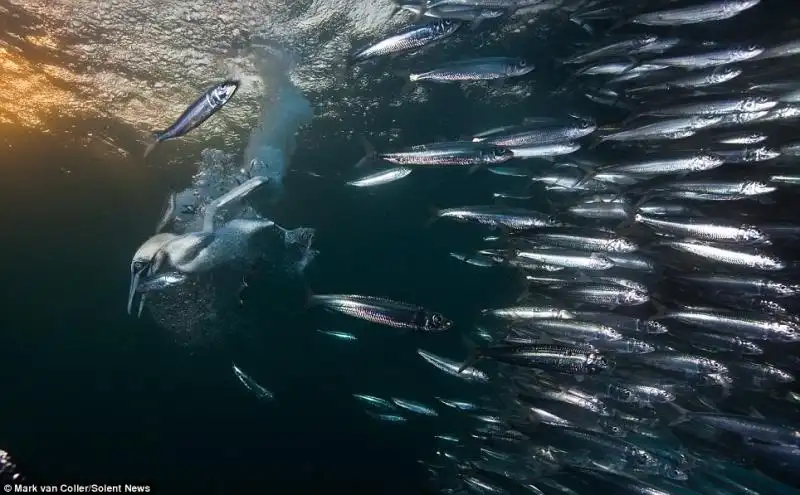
135	276
141	305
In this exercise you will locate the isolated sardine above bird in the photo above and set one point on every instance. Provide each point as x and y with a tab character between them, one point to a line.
211	101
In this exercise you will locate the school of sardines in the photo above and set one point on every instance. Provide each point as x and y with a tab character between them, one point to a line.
653	348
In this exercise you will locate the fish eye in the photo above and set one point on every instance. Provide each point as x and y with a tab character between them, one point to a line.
138	265
522	63
753	47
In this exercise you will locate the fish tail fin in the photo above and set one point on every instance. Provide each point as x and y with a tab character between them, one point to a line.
423	7
474	357
617	25
597	142
474	25
564	87
630	118
369	152
510	252
474	168
152	142
683	415
310	300
627	223
644	199
555	206
590	175
634	64
433	215
661	308
581	24
409	83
